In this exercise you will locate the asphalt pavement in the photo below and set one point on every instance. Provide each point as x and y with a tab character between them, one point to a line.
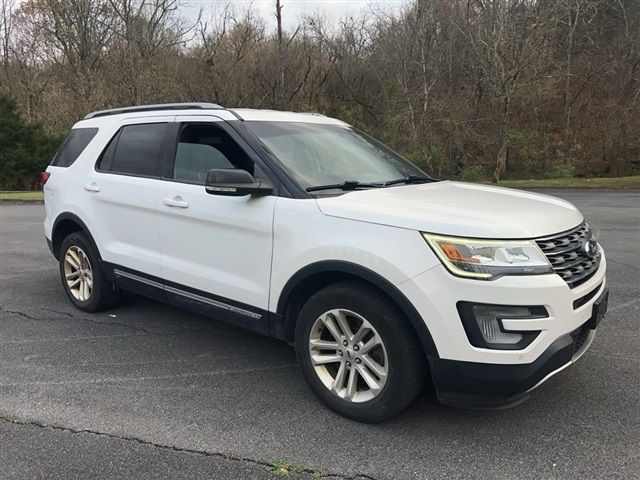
149	391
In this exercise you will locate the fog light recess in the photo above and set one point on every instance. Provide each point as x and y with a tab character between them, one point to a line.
484	328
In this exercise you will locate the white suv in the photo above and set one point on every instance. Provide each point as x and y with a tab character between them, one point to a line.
301	227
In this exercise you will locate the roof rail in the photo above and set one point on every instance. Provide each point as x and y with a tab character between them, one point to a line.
151	108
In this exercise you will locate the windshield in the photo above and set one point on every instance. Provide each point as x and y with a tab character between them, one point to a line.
321	154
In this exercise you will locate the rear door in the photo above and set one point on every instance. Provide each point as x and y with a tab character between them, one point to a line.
123	190
215	249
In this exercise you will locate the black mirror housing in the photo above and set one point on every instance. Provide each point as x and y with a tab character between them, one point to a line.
235	183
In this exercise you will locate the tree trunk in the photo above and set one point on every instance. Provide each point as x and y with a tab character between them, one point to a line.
501	161
566	101
281	64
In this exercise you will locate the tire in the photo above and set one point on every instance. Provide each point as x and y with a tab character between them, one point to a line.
76	250
400	357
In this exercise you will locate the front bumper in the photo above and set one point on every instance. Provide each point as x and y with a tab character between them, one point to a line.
484	385
468	375
435	294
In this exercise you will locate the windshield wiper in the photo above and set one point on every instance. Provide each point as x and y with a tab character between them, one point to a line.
354	185
411	179
348	185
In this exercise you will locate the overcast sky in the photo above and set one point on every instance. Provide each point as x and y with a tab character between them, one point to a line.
292	10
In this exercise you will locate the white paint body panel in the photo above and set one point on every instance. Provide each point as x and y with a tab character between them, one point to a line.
456	208
303	235
124	210
221	245
278	116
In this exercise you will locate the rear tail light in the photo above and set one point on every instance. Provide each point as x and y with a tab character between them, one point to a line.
44	176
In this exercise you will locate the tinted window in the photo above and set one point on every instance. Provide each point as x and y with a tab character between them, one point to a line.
106	159
73	145
203	147
135	150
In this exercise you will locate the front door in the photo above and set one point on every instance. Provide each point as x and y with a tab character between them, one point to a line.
215	250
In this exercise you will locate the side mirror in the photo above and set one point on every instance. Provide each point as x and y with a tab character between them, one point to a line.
235	183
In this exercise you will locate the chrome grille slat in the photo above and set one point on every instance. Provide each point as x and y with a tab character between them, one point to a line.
576	280
564	266
570	248
567	256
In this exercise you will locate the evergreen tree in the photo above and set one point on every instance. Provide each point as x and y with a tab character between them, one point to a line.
25	150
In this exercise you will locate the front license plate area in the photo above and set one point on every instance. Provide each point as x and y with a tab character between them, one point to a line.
599	309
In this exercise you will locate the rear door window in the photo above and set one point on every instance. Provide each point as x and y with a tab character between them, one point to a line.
73	146
135	150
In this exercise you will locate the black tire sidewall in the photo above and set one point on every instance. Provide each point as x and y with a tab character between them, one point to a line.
404	355
100	283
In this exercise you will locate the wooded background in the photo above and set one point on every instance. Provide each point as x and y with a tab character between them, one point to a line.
472	89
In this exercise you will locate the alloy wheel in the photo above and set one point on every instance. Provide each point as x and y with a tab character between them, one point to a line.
78	273
348	355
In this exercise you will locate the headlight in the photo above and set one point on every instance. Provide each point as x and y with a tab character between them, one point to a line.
488	259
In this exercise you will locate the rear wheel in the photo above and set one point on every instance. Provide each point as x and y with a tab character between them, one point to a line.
358	352
82	277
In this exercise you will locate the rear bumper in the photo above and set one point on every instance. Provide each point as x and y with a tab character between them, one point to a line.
485	385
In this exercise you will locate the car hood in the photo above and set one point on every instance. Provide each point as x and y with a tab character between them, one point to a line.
457	208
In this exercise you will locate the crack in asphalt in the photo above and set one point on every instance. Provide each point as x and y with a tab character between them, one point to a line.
106	380
206	453
197	360
119	324
125	325
22	314
115	324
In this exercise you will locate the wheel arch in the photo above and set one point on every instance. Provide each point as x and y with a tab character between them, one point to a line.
65	224
315	276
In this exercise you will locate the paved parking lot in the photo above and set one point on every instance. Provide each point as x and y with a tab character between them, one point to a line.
149	391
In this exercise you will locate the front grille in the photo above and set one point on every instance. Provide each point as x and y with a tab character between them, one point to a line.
568	257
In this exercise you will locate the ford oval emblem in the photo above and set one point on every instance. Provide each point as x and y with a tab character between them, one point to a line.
591	248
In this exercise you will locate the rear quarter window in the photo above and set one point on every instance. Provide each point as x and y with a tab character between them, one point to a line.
73	146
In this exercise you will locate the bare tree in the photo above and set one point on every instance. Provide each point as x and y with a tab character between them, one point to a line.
625	65
458	86
507	38
6	28
281	56
75	36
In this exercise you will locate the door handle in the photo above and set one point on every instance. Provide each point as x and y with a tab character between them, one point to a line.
92	187
176	202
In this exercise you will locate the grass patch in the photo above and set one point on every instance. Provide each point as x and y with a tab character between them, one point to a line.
601	182
8	195
283	468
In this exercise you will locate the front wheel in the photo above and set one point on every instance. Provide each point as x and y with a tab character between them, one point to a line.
358	352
